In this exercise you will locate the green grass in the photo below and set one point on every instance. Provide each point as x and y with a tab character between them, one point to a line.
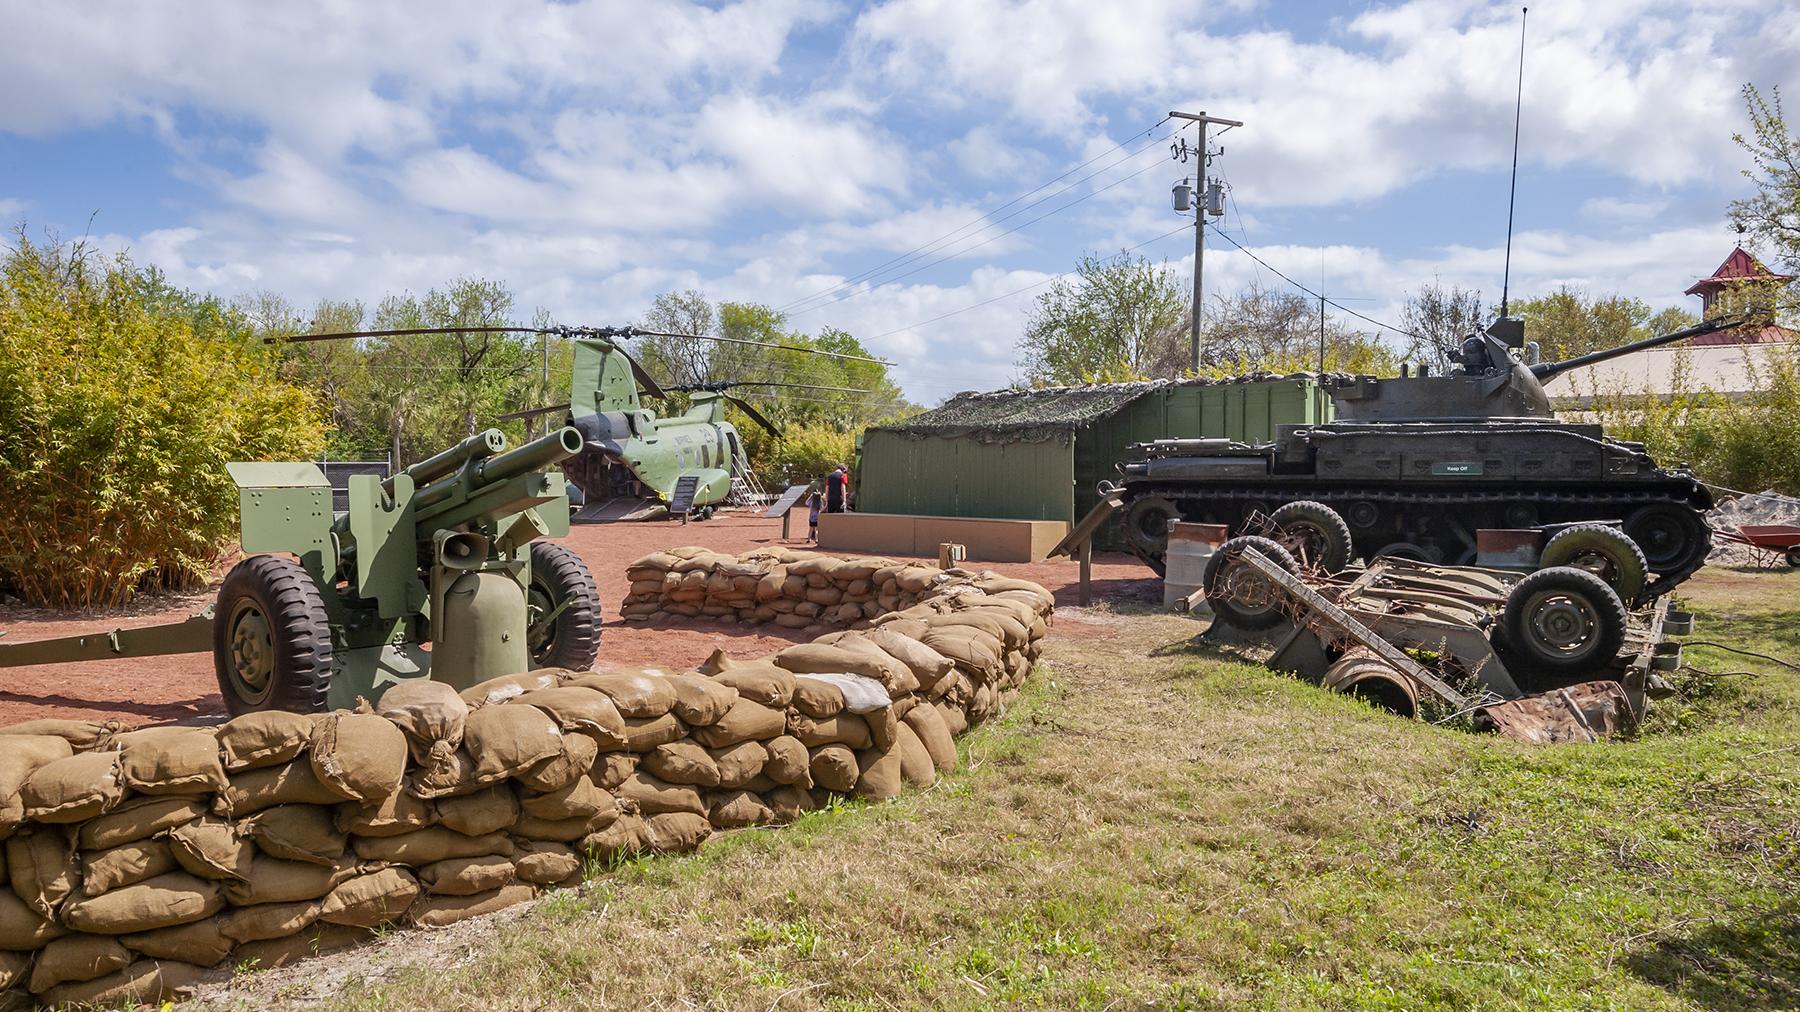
1160	826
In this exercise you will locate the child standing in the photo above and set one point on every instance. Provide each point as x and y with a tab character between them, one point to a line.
812	517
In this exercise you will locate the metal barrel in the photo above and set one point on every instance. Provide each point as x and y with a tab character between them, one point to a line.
482	444
560	445
1546	370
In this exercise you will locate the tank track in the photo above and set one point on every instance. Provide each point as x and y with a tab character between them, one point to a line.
1275	495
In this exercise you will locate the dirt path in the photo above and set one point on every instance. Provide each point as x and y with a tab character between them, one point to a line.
159	689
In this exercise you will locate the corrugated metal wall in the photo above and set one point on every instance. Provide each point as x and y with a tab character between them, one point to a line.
964	477
1048	480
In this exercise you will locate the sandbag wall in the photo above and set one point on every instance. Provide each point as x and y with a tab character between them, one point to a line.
135	860
793	589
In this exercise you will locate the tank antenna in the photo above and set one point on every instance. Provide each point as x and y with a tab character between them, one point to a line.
1513	187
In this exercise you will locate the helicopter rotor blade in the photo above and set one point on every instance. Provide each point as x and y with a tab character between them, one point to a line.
755	415
401	332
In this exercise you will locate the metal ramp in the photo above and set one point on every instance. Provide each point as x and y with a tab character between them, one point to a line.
619	508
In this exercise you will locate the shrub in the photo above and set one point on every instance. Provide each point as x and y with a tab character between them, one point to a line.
805	453
121	399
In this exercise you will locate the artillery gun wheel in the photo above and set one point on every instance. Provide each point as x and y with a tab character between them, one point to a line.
570	638
1603	551
1314	535
1673	537
271	639
1146	525
1239	594
1562	621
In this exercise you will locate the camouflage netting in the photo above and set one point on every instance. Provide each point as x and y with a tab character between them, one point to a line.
136	860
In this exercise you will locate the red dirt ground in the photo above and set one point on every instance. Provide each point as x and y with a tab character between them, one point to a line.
183	687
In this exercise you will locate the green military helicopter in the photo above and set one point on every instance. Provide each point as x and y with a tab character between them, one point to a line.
694	460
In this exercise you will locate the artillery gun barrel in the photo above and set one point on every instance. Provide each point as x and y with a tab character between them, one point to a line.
541	452
482	444
1546	370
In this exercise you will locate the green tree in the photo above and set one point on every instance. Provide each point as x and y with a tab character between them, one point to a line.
1117	319
1259	329
1438	320
121	399
1568	322
1771	215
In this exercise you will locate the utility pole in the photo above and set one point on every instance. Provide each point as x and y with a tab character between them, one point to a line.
1200	210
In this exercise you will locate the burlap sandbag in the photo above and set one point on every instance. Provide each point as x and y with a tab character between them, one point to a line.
952	717
676	832
883	725
530	827
163	901
264	738
448	776
74	789
466	876
816	698
486	811
43	870
682	762
20	757
429	713
580	708
926	664
544	862
738	764
370	900
268	920
199	942
579	800
916	765
170	761
272	880
645	733
147	982
314	941
77	958
834	768
425	846
621	840
579	750
297	833
844	729
102	870
734	809
293	783
23	929
878	774
438	911
787	803
499	690
759	681
211	848
897	677
638	693
81	735
1008	631
508	739
789	762
610	770
653	796
15	967
872	662
137	819
700	701
970	648
361	755
399	812
746	721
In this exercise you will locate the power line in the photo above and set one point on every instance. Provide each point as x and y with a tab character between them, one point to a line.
1335	305
927	246
967	249
1020	291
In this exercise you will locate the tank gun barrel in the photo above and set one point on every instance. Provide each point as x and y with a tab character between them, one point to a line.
1546	370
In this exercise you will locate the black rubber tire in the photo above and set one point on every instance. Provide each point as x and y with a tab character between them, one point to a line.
1222	600
1315	529
1145	525
573	640
1793	557
278	592
1577	596
1604	551
1672	537
1408	550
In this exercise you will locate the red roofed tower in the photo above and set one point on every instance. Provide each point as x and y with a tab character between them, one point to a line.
1738	269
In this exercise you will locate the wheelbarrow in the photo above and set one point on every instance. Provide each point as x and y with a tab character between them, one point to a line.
1782	539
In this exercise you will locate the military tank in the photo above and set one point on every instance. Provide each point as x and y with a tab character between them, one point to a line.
1415	465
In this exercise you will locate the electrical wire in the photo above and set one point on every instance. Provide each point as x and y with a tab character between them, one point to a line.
927	246
950	256
1019	291
1335	305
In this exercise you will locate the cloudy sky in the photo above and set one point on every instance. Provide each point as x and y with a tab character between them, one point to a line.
837	160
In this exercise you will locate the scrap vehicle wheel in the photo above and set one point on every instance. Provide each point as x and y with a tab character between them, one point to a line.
1408	550
1314	535
569	637
1673	537
1146	524
1563	621
271	640
1603	551
1238	593
1363	514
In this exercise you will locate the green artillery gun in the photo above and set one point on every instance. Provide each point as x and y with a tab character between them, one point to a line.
446	552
